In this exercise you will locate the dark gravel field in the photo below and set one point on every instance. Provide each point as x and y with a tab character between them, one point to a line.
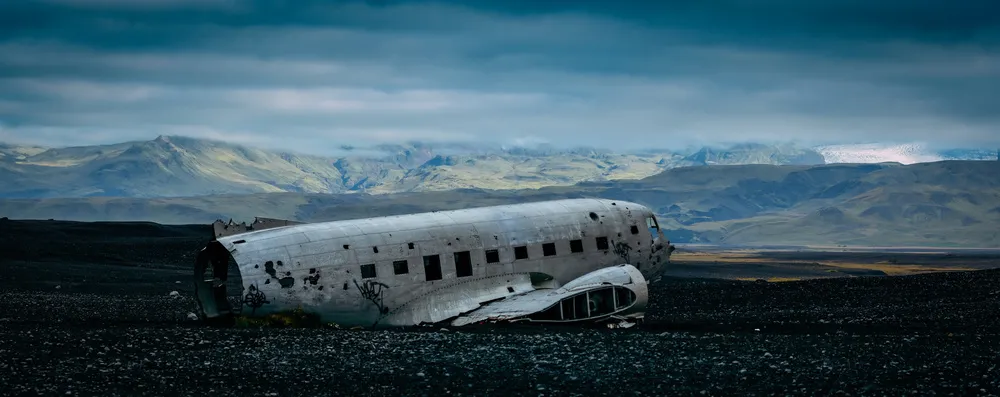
91	324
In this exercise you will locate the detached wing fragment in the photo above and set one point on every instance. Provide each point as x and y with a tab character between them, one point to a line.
618	292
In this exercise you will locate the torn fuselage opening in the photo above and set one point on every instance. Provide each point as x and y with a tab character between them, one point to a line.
217	283
543	281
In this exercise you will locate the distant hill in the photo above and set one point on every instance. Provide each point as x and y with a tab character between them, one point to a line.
947	203
754	153
171	166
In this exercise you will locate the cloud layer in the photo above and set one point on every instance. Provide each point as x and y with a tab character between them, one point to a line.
312	76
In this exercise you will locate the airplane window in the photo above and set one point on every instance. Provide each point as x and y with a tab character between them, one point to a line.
521	252
635	229
400	267
654	228
463	264
368	271
432	267
492	256
602	243
411	245
549	249
375	249
576	245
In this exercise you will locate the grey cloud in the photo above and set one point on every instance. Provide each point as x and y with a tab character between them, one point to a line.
909	19
315	76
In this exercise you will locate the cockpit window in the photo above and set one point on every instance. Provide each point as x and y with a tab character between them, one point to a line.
654	227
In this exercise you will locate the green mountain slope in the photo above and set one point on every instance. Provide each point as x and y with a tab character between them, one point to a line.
17	152
180	166
950	203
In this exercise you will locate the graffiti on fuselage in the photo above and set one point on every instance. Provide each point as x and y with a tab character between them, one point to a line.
623	250
254	298
374	292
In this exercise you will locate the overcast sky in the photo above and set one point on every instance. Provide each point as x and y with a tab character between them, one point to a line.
311	76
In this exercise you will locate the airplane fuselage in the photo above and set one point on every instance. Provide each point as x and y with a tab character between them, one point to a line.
429	267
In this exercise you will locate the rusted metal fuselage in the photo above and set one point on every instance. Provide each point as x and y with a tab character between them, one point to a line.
437	266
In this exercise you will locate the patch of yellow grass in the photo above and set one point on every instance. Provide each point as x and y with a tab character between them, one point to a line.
770	279
59	163
897	269
727	256
750	256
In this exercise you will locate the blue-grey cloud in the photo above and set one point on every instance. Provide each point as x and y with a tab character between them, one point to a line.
314	75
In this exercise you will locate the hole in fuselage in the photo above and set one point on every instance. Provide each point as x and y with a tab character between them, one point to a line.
218	283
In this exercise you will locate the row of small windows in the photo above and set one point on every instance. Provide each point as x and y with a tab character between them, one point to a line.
463	260
548	249
432	266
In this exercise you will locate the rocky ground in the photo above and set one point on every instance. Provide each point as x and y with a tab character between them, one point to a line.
930	334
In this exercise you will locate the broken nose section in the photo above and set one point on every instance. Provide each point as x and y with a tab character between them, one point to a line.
212	284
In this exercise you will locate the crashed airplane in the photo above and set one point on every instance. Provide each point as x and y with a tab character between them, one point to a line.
561	261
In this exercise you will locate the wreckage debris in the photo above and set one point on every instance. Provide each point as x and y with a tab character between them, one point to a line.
223	229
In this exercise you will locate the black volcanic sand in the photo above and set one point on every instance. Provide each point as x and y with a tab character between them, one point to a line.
914	335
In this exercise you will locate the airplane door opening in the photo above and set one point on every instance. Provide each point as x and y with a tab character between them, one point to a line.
216	277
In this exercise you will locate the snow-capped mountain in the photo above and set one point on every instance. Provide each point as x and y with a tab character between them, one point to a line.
907	153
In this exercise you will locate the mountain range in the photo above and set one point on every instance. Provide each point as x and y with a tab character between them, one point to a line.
952	203
174	166
748	194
